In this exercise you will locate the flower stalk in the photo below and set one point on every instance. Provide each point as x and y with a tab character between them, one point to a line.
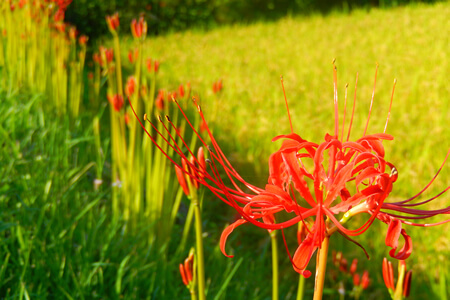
321	268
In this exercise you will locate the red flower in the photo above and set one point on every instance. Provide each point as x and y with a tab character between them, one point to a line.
59	15
217	86
116	101
83	39
181	91
106	54
139	28
133	55
186	269
152	67
403	276
113	22
336	180
131	86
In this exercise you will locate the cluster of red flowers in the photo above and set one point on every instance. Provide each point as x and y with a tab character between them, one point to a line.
335	179
341	263
164	96
152	66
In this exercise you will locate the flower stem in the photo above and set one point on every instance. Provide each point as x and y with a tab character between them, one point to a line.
273	238
321	268
301	287
199	244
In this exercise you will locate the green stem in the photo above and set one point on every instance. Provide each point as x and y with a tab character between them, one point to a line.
398	295
273	238
199	243
321	268
301	287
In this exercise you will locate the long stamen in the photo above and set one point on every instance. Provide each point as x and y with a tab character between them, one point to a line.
287	106
353	109
335	99
390	106
371	101
345	110
428	185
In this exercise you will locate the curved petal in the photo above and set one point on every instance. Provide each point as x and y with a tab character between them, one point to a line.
227	231
406	250
302	256
393	233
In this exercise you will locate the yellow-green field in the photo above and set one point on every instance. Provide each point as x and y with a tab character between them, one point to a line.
66	167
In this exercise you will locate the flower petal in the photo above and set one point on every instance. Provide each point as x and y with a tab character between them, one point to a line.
394	231
227	231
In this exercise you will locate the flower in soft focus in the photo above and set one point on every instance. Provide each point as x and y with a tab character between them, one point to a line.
59	15
90	75
353	266
403	286
106	54
152	66
73	32
22	3
139	28
126	118
187	271
217	86
131	86
159	101
133	55
116	101
365	280
83	40
113	22
322	184
97	59
181	91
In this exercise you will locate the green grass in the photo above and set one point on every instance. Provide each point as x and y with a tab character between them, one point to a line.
409	44
57	237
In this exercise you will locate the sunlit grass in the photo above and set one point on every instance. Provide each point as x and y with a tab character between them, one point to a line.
409	44
58	237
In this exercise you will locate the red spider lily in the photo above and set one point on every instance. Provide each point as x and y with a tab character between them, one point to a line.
97	59
217	86
186	269
160	98
181	91
152	67
362	281
403	276
113	22
83	40
139	28
131	86
320	182
354	266
133	55
22	3
106	54
73	33
365	280
59	15
116	101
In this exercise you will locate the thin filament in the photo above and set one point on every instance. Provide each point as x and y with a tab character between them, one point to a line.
287	106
